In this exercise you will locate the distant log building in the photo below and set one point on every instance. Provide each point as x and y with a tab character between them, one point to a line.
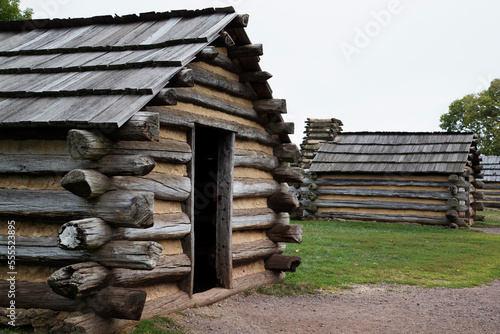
427	178
318	131
144	163
491	180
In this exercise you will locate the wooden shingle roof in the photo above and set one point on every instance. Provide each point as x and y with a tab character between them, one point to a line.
491	168
99	71
394	152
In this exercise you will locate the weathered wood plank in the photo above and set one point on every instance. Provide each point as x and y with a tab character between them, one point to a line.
118	208
254	188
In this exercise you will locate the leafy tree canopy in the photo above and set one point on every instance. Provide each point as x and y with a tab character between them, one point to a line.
10	11
478	113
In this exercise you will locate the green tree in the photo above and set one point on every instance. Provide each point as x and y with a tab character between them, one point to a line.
10	11
478	113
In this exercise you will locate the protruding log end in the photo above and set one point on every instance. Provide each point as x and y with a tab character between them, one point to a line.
84	234
289	233
120	303
86	183
287	263
83	144
283	202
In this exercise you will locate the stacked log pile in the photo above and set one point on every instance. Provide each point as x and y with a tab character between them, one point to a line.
370	176
491	182
318	131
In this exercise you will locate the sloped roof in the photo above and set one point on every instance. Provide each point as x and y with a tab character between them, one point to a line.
394	152
491	168
98	71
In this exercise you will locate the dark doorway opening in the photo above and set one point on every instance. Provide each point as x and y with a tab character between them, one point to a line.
205	208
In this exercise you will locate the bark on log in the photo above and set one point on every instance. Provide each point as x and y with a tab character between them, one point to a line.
254	188
288	233
88	233
286	263
142	126
252	251
289	174
251	50
184	78
79	280
118	208
169	268
254	159
121	303
86	183
283	202
287	152
221	83
84	144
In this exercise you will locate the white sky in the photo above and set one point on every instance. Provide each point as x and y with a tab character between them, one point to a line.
377	65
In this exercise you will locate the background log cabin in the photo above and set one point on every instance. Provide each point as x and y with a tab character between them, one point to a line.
426	178
145	163
491	180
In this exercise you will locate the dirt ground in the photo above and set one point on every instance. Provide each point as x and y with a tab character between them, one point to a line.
380	308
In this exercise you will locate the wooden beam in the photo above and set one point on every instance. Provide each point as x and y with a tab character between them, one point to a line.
183	78
208	53
84	144
270	106
126	254
225	63
287	152
221	83
240	21
288	233
120	303
165	97
281	128
286	263
142	126
88	323
255	159
163	186
166	226
255	250
321	203
251	50
251	219
224	39
184	119
169	268
254	188
396	218
79	280
255	76
424	194
289	174
62	164
283	202
118	208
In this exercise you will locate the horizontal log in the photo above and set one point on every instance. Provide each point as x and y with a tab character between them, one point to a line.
289	174
118	208
221	83
252	251
87	323
240	21
439	195
165	97
167	150
286	263
255	159
62	164
270	106
280	128
87	233
86	183
354	216
225	63
142	126
283	202
79	280
163	186
38	295
120	303
166	226
288	233
224	40
208	53
184	119
88	145
251	50
452	215
479	206
255	76
120	254
169	268
287	152
254	188
249	219
321	203
183	78
325	181
188	95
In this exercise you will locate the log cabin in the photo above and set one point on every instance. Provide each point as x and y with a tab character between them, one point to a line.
144	167
491	182
424	178
317	132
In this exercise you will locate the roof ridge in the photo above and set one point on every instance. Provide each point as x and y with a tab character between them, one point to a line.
28	25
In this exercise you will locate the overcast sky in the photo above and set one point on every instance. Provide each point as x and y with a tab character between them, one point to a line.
377	65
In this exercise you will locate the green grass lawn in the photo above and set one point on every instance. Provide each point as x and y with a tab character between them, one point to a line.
340	254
